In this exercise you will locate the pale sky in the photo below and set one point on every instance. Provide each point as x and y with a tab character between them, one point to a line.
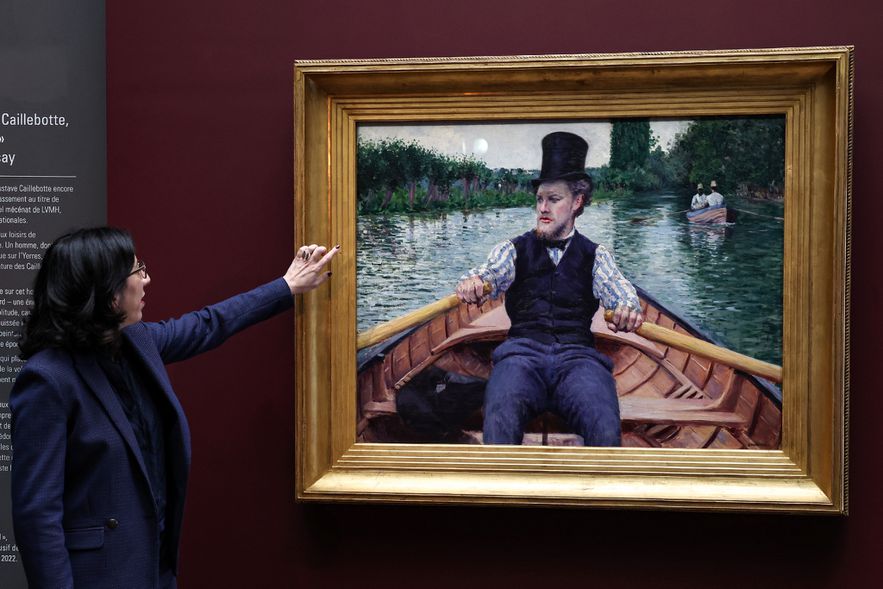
512	145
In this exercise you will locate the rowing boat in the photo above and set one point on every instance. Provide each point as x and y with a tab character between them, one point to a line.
709	215
668	398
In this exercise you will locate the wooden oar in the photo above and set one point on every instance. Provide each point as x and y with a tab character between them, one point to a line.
759	215
663	214
386	330
651	331
688	343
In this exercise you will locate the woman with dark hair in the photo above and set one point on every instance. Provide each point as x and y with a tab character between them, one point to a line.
101	445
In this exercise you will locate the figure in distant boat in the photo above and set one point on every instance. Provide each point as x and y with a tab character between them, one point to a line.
554	279
700	200
715	198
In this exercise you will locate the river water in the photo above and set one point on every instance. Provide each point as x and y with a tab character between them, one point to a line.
725	280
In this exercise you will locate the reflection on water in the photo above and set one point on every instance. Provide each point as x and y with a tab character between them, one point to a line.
726	280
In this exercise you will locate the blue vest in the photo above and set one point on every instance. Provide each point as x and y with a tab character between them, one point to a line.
548	303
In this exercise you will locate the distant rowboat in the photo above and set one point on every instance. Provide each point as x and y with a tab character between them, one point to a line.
709	215
668	398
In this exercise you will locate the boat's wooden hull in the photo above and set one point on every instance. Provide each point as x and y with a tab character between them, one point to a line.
668	398
708	216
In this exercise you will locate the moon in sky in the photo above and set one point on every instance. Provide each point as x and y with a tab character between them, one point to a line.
480	146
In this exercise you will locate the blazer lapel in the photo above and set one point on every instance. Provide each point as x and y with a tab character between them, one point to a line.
144	347
91	372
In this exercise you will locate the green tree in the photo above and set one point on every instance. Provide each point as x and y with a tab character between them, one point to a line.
369	175
629	143
441	172
523	179
469	171
741	153
396	164
506	180
415	164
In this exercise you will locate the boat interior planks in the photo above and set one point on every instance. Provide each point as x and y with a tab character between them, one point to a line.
668	398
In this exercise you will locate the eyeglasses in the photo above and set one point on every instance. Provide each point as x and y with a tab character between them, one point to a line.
140	268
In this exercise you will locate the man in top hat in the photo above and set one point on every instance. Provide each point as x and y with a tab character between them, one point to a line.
555	279
715	199
700	201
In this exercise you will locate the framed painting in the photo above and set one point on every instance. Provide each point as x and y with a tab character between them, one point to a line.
714	206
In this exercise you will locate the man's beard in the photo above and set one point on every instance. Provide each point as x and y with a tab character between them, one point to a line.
543	232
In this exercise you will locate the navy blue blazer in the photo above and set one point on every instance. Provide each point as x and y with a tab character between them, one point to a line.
83	511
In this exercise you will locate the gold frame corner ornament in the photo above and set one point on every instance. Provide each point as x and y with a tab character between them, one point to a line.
812	87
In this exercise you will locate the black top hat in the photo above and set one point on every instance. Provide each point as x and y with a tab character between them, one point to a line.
564	158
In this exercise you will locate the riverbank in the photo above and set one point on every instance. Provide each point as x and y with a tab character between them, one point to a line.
477	200
762	195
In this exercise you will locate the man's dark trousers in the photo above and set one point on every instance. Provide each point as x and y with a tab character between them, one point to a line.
571	380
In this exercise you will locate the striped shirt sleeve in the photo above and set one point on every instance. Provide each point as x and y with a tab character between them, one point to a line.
609	285
498	270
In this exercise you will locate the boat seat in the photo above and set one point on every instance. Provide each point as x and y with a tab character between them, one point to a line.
494	325
687	411
677	412
490	326
654	411
644	411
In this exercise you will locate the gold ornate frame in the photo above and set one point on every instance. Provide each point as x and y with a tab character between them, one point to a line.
812	87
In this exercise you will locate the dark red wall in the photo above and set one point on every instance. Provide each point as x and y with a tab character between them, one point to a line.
200	169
